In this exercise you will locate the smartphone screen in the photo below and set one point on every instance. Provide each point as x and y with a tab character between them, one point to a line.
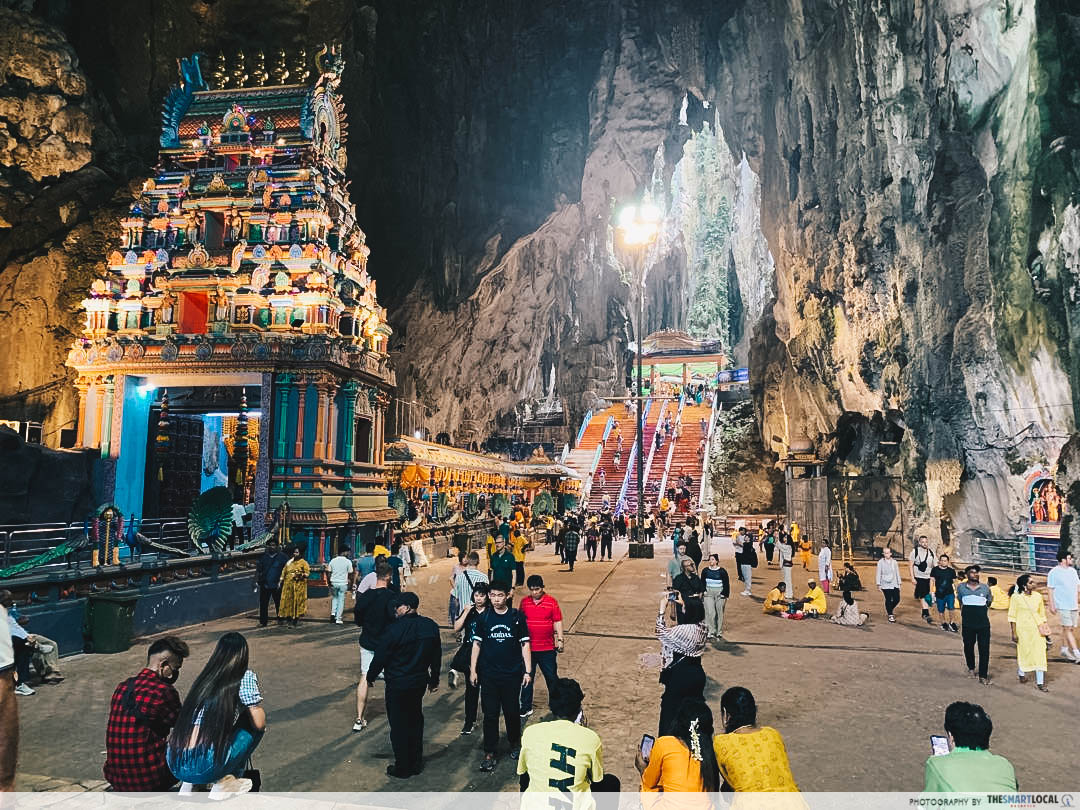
646	746
939	746
671	596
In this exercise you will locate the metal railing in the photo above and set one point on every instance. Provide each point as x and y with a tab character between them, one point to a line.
670	452
584	424
21	543
708	451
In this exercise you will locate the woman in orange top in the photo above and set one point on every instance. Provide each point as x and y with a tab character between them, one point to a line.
683	762
751	758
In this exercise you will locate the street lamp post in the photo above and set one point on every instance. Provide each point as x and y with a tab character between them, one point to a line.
638	226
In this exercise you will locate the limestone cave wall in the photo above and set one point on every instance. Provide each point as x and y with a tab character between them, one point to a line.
906	170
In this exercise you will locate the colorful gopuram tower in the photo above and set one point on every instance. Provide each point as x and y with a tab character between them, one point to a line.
240	301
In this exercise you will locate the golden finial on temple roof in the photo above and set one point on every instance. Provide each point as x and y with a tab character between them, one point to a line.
259	75
219	75
281	69
239	73
301	71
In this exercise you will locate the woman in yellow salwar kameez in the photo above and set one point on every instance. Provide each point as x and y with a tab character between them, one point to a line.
294	581
1026	614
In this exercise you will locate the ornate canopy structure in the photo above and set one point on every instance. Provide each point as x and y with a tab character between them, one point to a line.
241	265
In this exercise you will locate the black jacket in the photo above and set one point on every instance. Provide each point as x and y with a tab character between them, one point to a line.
373	615
269	567
410	652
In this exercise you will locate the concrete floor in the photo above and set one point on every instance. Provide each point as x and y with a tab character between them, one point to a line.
856	706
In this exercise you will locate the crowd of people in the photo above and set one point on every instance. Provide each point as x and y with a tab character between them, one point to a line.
506	626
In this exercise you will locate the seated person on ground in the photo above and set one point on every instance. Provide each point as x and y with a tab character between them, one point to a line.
969	766
141	715
563	755
814	603
847	612
849	580
1001	596
776	600
751	758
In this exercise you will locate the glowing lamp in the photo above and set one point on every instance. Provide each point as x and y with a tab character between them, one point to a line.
639	224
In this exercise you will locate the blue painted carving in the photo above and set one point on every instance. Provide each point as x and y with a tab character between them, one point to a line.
179	99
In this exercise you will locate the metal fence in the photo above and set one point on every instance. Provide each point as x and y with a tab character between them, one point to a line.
23	542
871	509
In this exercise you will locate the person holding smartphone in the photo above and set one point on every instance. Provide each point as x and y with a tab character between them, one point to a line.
968	766
682	761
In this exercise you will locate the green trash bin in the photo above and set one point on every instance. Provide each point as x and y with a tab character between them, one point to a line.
109	622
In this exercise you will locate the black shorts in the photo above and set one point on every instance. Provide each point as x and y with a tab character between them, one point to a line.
922	587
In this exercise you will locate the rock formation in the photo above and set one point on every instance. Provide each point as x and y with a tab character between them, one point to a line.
911	168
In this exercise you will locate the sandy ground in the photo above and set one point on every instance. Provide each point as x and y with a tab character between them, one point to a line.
856	706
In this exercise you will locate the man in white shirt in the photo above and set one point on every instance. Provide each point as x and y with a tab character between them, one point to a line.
9	710
824	566
921	561
1064	585
338	574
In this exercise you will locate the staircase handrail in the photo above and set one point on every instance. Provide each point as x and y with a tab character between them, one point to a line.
608	425
584	424
565	452
708	450
591	472
670	452
651	453
630	459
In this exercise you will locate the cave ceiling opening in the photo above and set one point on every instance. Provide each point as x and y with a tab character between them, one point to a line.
875	207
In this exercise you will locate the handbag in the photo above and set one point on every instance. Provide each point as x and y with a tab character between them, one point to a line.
462	658
1044	627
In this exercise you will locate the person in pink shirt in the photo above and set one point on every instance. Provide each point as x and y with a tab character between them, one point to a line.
544	618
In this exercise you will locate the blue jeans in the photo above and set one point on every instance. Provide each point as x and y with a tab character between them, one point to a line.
199	769
548	662
747	575
337	600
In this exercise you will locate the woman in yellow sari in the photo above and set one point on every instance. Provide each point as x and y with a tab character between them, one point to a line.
294	581
1026	613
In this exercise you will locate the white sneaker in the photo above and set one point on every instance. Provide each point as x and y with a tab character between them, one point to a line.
23	689
359	725
746	593
338	621
1067	654
228	787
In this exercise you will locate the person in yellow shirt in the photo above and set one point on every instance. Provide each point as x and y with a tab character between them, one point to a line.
563	755
380	550
814	603
751	758
517	546
806	548
776	600
490	546
1001	596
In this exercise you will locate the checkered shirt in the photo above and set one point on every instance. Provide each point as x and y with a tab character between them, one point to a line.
135	740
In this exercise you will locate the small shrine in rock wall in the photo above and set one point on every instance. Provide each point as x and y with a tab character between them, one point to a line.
235	337
1046	508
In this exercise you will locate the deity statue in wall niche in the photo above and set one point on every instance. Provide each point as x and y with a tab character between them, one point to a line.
238	254
221	304
168	304
267	197
234	228
261	277
191	228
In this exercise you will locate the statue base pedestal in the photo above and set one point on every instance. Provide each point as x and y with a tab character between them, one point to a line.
641	551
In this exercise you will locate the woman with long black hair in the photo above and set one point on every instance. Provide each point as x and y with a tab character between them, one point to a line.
466	624
220	723
751	758
684	760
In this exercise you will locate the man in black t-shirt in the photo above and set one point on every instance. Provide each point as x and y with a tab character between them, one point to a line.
607	531
372	613
944	575
501	662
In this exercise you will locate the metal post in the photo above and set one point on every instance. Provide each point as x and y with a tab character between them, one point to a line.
639	409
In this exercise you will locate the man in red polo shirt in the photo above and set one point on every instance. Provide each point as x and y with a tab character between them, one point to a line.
544	619
143	711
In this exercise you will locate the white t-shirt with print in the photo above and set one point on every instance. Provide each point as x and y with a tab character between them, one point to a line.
1065	583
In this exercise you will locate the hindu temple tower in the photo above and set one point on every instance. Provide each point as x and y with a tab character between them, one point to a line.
236	338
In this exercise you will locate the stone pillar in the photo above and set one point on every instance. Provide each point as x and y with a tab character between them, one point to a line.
685	373
83	387
302	389
323	393
106	416
282	388
349	430
331	423
97	393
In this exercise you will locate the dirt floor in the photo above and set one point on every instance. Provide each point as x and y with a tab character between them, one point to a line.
856	706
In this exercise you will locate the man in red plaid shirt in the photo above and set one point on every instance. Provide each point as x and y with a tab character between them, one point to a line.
142	713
